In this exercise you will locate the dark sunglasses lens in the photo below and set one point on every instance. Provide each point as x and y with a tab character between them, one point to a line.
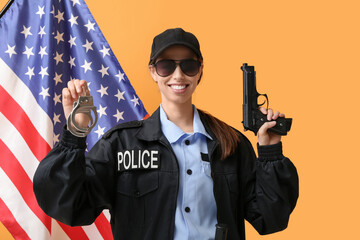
165	67
190	67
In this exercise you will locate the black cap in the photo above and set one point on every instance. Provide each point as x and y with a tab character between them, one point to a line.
174	36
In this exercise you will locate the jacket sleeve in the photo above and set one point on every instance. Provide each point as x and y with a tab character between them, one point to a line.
66	186
271	187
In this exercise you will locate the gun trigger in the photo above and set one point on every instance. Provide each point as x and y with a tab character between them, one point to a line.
267	101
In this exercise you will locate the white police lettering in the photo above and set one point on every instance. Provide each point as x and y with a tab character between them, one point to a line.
138	159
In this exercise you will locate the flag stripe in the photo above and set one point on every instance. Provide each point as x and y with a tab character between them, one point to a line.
92	232
18	176
21	212
9	221
23	124
57	233
103	225
74	232
24	97
17	145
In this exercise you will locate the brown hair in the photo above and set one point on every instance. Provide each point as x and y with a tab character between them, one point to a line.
226	135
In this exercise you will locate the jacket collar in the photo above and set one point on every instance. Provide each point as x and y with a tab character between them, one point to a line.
151	130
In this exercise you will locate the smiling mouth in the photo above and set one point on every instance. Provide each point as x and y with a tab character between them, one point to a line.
178	87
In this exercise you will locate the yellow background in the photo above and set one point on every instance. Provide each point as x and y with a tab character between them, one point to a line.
306	54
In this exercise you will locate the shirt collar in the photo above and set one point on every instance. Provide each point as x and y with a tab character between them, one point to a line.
172	132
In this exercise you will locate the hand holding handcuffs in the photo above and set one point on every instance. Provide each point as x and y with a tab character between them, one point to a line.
84	104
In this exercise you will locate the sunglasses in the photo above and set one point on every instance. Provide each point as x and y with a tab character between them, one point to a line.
166	67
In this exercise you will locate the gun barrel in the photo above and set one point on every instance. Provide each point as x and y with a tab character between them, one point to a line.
248	86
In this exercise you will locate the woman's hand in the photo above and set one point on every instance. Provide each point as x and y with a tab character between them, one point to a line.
265	137
71	94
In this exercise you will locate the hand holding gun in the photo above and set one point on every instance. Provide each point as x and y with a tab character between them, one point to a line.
253	118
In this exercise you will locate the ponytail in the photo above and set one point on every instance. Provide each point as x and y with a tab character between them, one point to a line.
226	135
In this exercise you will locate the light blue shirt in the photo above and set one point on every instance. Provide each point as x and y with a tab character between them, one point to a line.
195	215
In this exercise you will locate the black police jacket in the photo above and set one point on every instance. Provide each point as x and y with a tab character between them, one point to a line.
133	172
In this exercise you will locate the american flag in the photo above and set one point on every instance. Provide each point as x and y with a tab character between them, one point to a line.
43	45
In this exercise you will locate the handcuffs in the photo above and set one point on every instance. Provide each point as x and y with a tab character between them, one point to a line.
84	104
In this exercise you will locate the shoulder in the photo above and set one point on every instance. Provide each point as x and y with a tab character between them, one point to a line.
127	125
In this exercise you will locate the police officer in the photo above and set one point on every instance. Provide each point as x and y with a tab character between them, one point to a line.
174	175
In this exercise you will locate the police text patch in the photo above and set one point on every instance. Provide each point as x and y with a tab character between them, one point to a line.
138	159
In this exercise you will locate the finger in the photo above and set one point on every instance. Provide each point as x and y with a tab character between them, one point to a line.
263	129
72	89
263	110
84	88
276	115
78	86
66	95
269	114
282	115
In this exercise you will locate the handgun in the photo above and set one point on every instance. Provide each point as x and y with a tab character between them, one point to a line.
253	118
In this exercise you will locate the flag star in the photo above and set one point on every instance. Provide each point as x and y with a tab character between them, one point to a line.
135	100
53	10
71	62
105	51
44	93
59	37
103	71
43	72
56	119
100	131
120	95
42	31
57	78
41	11
10	50
75	2
30	72
101	111
119	115
72	20
72	41
58	58
102	90
88	84
28	52
120	76
57	99
86	66
90	26
26	31
56	138
88	45
43	51
60	16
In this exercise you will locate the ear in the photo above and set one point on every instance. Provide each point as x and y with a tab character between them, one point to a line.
152	71
201	73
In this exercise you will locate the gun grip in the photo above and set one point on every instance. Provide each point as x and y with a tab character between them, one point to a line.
282	126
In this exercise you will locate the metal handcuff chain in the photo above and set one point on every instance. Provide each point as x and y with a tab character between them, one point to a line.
85	104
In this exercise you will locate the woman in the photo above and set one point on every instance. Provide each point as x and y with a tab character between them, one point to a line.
174	175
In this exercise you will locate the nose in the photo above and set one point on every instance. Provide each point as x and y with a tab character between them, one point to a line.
178	74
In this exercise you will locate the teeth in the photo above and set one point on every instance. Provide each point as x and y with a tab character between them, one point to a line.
178	87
